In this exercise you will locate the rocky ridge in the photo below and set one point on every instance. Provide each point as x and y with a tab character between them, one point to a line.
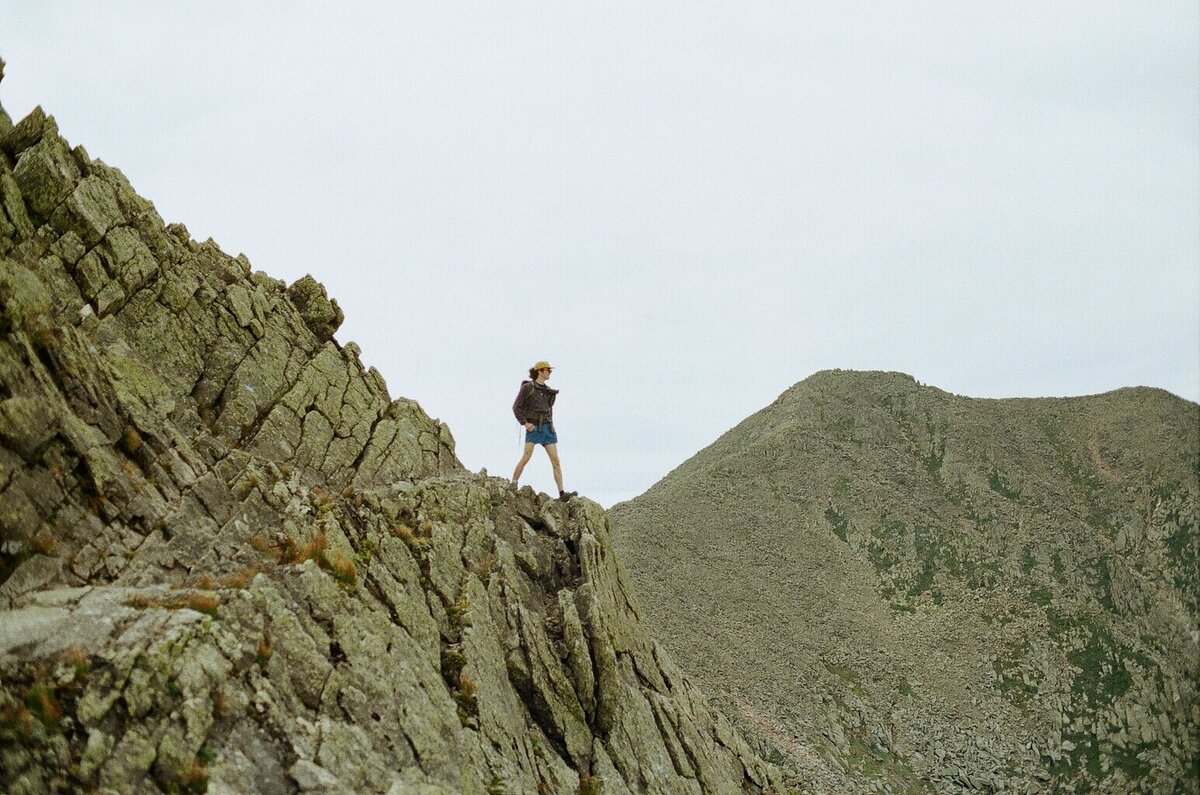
921	592
231	562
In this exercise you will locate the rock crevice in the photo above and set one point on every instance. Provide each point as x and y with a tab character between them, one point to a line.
230	560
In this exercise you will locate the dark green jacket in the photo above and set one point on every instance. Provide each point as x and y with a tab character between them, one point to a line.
534	403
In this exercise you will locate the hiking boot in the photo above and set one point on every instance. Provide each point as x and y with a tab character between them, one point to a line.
565	496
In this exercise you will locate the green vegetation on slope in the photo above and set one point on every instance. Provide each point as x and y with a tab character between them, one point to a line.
1027	568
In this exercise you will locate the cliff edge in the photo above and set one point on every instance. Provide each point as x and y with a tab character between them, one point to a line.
231	562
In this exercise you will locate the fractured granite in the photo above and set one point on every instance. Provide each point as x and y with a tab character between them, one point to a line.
232	562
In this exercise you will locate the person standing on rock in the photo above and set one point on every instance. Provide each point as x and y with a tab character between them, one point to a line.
534	408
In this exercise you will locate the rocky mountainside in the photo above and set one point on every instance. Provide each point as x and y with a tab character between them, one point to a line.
231	562
896	589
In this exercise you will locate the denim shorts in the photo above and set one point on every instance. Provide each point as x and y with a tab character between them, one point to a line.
542	434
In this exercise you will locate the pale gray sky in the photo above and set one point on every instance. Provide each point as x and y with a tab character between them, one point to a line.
686	207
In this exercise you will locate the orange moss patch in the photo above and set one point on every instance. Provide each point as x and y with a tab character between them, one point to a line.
263	652
200	602
195	778
43	544
241	578
203	603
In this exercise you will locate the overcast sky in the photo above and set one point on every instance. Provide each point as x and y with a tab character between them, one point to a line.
685	207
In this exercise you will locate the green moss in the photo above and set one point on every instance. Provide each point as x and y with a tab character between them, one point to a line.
846	674
1103	677
1182	541
1099	516
880	557
889	528
40	699
1040	595
1103	581
980	520
464	697
1028	561
841	487
1128	760
130	442
924	579
366	551
1002	487
868	761
1084	757
457	612
1061	623
935	455
837	520
956	492
453	662
1016	690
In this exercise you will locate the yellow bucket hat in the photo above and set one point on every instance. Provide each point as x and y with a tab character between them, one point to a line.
541	366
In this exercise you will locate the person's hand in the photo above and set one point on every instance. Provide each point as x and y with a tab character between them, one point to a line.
529	427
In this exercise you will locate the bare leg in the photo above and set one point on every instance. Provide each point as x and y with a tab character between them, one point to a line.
552	451
524	460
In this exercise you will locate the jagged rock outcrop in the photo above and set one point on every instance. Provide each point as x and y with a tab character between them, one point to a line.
922	592
231	562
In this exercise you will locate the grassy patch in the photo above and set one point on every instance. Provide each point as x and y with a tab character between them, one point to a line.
35	710
1103	677
935	455
837	520
464	697
462	687
195	777
289	550
1130	762
262	653
366	551
1002	486
240	579
416	539
457	612
203	602
1011	678
1028	561
871	762
1085	756
130	442
956	492
1182	540
846	674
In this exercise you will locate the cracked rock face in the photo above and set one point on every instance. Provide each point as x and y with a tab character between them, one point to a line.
231	562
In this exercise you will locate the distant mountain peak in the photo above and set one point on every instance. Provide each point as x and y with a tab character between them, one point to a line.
929	592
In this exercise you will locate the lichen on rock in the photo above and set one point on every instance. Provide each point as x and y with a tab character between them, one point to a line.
231	560
321	314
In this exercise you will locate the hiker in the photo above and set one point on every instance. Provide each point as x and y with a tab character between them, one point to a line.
534	408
